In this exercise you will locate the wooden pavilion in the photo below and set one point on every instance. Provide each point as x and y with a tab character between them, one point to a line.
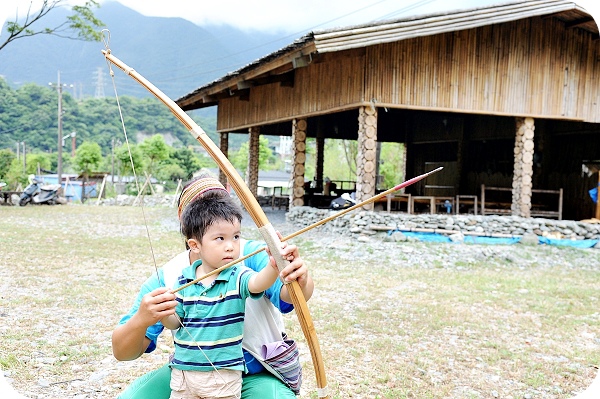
505	96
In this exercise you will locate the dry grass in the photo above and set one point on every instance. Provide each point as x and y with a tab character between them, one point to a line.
395	320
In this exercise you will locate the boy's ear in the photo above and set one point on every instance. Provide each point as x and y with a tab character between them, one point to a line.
193	244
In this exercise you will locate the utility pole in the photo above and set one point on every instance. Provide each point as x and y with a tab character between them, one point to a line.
24	158
59	87
112	160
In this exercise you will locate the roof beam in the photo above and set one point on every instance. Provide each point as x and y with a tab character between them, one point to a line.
579	22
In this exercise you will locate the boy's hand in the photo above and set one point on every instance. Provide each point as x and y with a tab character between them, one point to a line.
156	305
296	269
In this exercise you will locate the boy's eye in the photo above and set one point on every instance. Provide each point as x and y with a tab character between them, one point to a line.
219	238
236	237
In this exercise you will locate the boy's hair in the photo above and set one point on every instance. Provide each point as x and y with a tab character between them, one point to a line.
204	212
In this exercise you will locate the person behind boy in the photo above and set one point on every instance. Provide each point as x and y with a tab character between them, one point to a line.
208	360
139	329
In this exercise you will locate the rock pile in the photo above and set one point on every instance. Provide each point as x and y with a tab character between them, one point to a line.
365	223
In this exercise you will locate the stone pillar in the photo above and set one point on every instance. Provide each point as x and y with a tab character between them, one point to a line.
523	168
224	147
298	161
366	157
253	153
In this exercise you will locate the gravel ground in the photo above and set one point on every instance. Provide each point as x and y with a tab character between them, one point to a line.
101	376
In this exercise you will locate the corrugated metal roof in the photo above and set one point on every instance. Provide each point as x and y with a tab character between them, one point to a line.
393	31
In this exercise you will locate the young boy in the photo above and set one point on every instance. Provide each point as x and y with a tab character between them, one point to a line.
208	359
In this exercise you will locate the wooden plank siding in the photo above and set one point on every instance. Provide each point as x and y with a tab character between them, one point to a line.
332	84
530	67
533	67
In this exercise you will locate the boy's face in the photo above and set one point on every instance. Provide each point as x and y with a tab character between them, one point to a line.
219	245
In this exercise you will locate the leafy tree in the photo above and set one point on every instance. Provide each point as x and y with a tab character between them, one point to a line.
124	160
340	159
6	158
16	175
391	164
35	160
154	150
88	157
171	172
239	159
81	25
187	161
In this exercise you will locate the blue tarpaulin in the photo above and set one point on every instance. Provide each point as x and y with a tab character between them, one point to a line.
568	243
437	237
492	240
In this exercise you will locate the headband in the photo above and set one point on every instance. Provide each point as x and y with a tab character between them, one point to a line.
195	189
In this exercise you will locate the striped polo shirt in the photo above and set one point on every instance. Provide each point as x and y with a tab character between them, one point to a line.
213	317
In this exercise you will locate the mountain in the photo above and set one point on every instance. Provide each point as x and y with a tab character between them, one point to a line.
174	54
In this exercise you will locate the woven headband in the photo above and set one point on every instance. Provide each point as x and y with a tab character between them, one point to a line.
195	189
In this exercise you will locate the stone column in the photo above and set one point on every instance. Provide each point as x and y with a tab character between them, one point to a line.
253	153
523	168
298	161
366	157
224	147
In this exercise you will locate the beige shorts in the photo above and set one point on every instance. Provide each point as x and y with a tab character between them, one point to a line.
222	384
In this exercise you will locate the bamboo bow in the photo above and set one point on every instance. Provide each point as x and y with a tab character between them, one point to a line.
255	211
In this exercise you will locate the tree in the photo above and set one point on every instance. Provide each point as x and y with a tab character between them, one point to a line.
187	161
391	164
88	157
240	158
6	158
124	161
155	150
81	25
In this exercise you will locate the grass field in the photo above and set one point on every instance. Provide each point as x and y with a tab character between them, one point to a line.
395	320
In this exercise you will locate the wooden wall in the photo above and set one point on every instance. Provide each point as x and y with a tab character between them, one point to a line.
530	67
534	67
329	84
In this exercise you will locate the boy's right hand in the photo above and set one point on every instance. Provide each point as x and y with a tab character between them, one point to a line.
156	305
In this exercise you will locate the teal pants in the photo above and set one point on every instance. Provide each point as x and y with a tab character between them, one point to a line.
155	385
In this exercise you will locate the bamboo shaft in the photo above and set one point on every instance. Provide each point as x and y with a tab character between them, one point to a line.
251	205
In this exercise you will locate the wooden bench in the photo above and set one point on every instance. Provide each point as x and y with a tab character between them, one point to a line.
466	199
393	202
504	207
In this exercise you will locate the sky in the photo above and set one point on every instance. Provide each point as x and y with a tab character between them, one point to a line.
285	16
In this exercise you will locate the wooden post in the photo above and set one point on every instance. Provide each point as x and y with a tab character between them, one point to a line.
101	190
224	147
598	199
523	168
253	154
140	193
367	155
149	182
299	159
175	197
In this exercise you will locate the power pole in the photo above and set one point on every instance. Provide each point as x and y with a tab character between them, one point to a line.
99	79
112	160
24	158
59	88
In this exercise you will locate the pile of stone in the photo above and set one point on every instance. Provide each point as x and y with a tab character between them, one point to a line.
363	223
132	200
